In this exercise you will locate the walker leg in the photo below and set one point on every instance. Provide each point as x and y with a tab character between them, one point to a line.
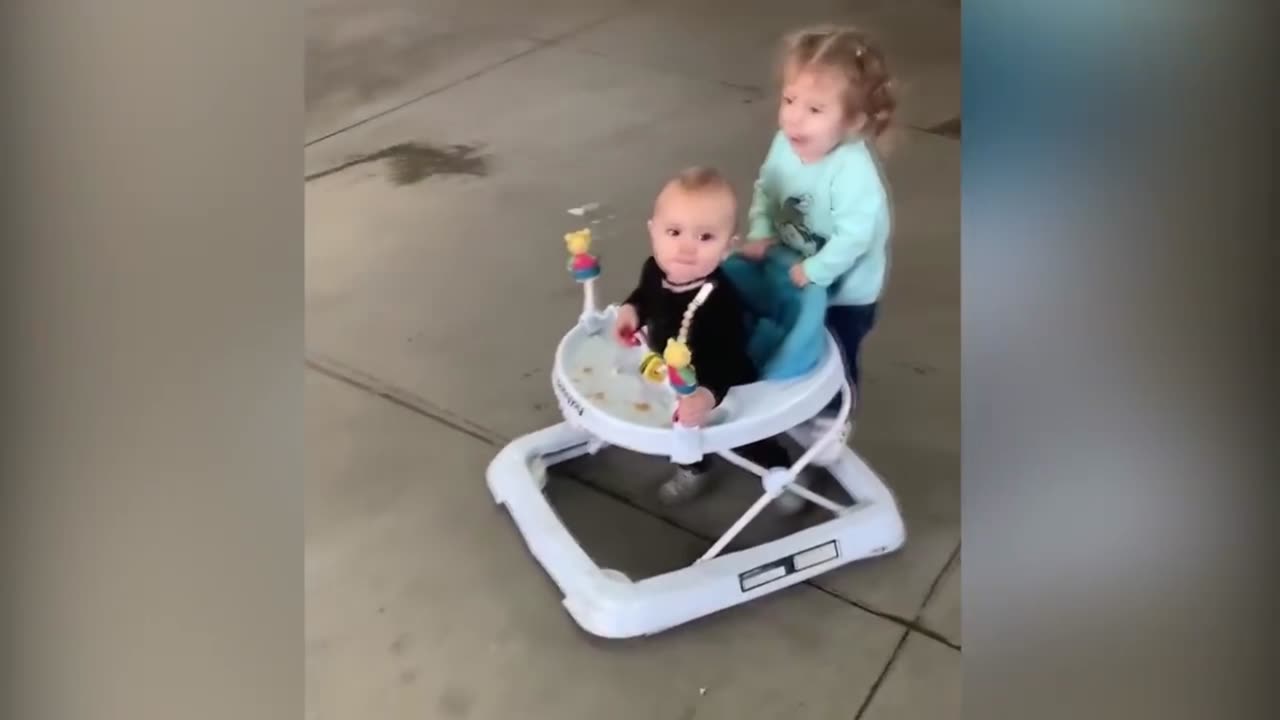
815	498
751	467
823	444
831	433
737	527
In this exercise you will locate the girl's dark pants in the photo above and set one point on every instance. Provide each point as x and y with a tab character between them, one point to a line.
850	324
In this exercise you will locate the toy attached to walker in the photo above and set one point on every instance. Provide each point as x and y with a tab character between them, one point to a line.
626	397
582	264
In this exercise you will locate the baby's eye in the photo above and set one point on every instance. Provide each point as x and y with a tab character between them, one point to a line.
706	237
673	232
788	100
815	109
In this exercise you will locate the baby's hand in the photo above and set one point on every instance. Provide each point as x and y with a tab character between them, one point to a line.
756	249
798	275
625	326
693	410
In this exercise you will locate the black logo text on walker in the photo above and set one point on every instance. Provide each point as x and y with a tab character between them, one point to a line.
568	398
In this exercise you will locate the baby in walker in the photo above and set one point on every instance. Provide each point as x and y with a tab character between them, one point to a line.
691	232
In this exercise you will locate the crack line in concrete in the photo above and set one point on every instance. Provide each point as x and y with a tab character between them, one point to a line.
937	581
407	400
421	406
538	44
756	91
911	625
948	129
423	96
884	672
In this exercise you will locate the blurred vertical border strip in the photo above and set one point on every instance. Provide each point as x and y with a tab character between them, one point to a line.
153	295
1119	457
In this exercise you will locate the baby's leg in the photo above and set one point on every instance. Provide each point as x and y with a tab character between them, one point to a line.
689	481
686	483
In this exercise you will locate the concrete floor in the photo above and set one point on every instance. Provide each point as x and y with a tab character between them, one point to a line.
446	140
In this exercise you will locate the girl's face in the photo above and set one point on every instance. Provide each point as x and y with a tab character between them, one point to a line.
812	114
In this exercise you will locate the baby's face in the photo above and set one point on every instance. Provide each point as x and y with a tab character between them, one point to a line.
691	231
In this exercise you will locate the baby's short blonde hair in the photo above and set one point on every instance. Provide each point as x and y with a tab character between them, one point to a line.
700	178
703	180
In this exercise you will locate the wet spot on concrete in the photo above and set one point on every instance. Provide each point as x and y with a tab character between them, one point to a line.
455	703
749	88
413	162
917	367
401	644
408	677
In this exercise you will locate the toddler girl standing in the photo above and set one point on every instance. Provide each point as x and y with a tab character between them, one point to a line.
820	204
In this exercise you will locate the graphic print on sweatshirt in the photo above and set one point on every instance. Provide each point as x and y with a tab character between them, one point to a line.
793	231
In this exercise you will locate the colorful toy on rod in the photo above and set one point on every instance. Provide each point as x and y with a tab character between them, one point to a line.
675	364
678	357
582	264
585	268
676	361
651	367
684	381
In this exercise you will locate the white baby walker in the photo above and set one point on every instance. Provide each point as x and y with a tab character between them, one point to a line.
605	401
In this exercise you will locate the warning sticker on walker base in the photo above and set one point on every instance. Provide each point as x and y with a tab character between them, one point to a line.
778	569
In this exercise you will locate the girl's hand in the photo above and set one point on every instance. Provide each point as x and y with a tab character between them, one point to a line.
798	275
693	410
756	249
625	326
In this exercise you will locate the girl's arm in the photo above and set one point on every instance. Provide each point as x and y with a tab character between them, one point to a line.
760	216
856	197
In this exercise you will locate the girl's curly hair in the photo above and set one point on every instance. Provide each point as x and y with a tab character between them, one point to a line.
859	61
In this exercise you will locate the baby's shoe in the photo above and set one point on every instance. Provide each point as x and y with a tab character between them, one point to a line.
684	485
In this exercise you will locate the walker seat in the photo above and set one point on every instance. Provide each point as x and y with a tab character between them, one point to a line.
606	400
599	386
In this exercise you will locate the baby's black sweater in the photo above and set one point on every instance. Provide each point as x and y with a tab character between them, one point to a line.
717	337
